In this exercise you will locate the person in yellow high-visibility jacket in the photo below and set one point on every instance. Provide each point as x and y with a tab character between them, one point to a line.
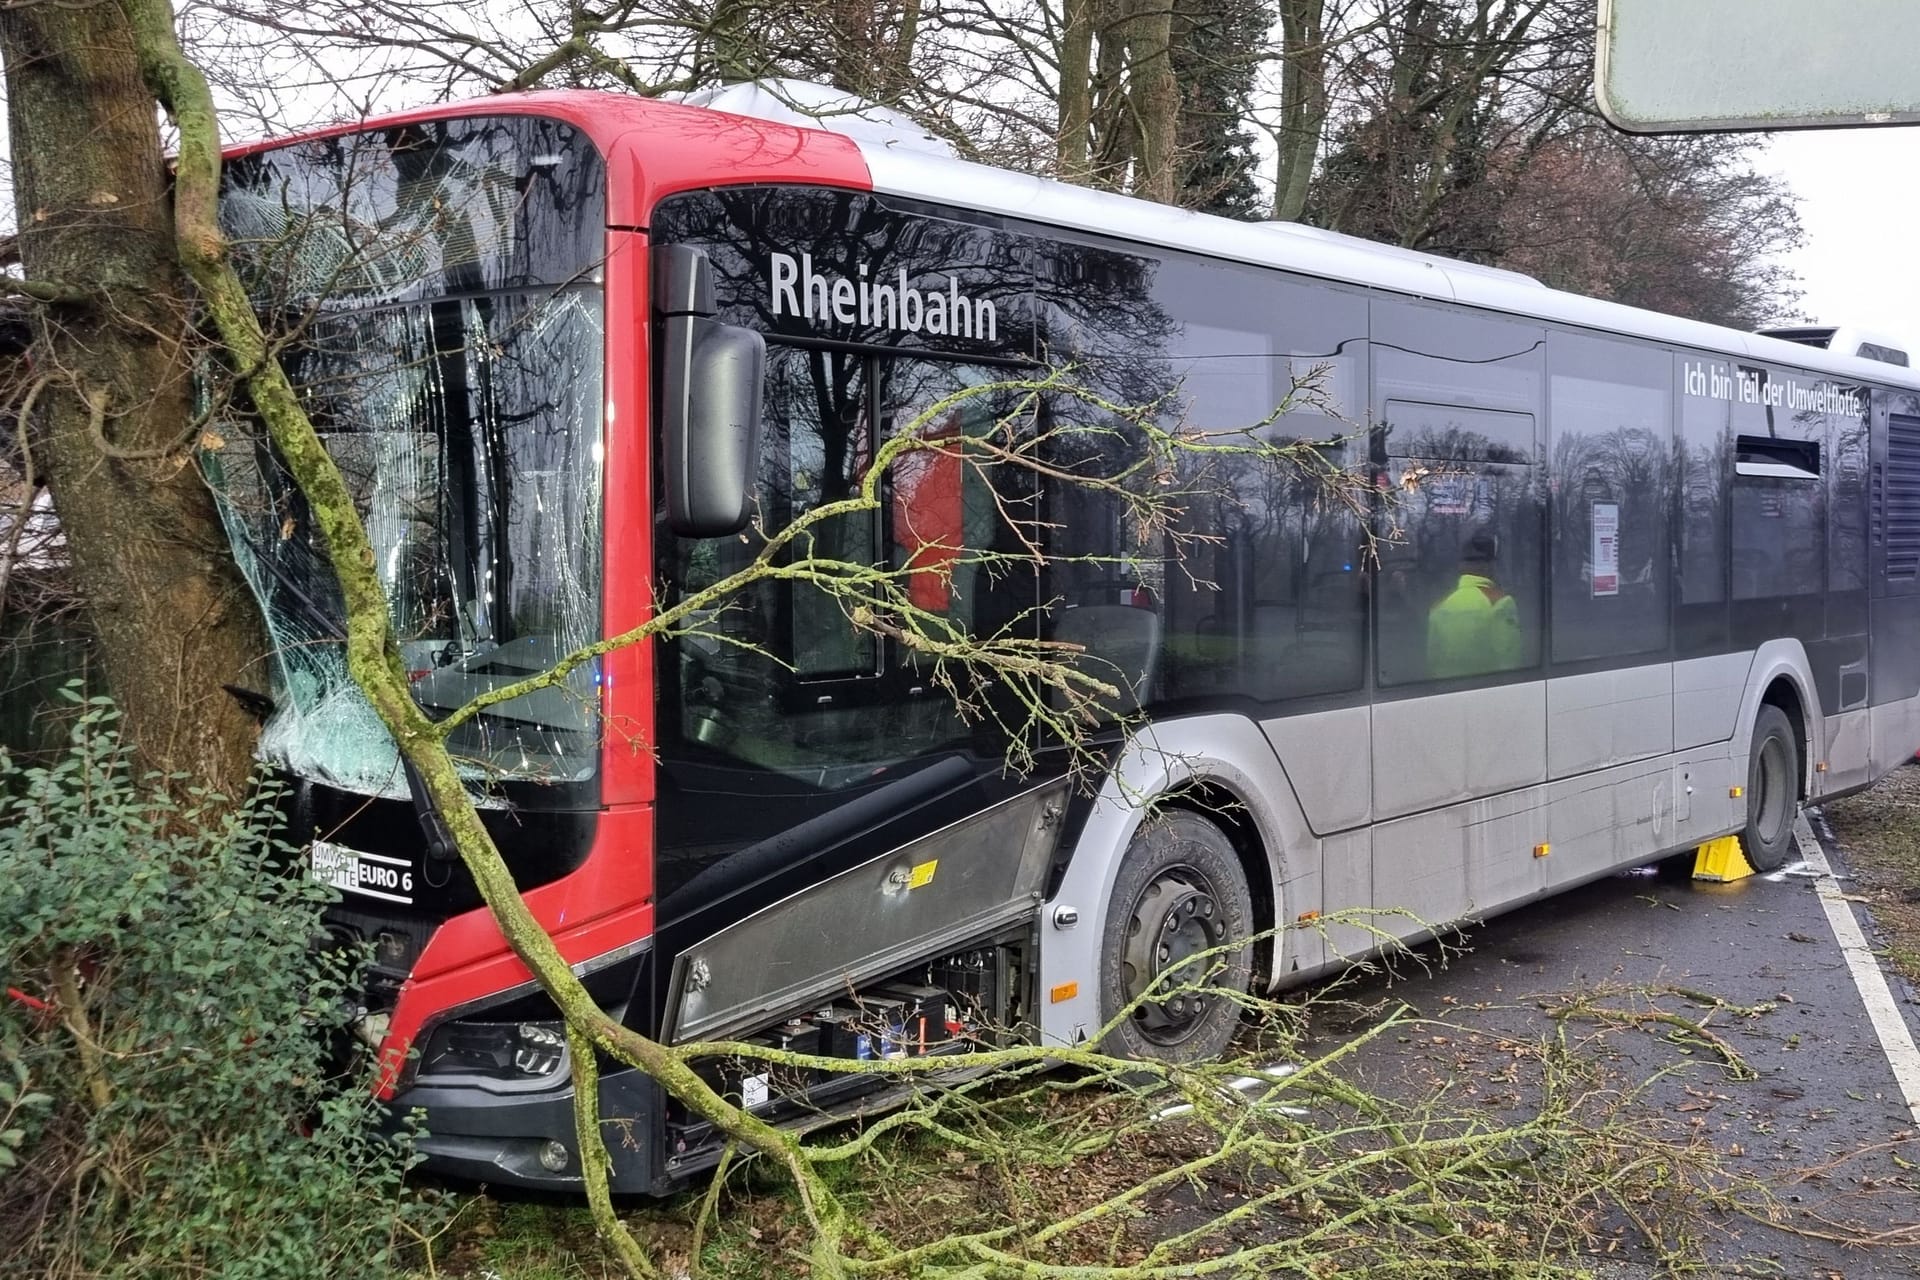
1476	628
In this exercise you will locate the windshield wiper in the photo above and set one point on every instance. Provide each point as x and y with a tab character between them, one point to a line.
330	628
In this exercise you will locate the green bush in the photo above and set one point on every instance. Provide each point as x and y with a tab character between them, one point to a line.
165	1024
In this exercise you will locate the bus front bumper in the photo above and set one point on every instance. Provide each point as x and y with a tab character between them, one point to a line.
472	1133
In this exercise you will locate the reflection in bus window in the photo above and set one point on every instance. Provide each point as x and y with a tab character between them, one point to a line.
949	501
781	677
1257	589
816	407
1777	500
1610	461
1847	503
1459	591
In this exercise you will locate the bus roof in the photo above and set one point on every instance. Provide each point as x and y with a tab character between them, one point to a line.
1314	252
683	146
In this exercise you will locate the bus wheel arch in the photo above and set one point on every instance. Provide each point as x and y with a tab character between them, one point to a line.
1785	694
1181	890
1220	805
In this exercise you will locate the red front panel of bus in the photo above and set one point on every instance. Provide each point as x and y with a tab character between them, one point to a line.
607	903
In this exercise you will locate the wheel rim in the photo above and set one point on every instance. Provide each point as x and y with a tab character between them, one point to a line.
1175	918
1773	790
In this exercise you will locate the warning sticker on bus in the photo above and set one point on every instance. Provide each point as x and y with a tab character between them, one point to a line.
1449	495
1606	548
371	875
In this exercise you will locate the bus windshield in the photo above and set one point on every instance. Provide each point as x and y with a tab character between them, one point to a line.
447	345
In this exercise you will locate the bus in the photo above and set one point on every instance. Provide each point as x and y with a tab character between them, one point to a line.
576	352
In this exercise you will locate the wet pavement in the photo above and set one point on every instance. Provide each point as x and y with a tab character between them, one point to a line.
1823	1126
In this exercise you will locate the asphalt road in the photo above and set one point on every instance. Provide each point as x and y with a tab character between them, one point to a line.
1825	1126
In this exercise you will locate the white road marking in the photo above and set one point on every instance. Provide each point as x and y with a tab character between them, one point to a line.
1896	1039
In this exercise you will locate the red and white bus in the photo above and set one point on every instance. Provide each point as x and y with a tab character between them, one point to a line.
575	352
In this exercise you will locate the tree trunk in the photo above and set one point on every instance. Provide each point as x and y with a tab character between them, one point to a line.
733	48
900	57
1075	94
172	617
1114	134
1303	102
851	36
1156	99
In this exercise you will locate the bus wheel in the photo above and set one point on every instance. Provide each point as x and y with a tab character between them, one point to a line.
1180	892
1773	790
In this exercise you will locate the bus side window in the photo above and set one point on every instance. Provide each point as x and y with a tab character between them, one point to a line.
816	416
1704	465
1778	505
1459	593
1612	461
951	509
1104	581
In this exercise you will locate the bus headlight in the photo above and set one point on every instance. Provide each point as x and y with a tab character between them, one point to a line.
521	1052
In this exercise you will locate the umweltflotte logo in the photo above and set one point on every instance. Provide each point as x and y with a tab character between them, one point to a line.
796	289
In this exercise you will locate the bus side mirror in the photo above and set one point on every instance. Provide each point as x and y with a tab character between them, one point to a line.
710	377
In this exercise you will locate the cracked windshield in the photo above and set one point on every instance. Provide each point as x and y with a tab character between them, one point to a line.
440	287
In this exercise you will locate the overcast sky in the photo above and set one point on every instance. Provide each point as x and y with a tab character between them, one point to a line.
1860	200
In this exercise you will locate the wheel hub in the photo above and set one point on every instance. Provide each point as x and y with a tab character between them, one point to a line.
1173	921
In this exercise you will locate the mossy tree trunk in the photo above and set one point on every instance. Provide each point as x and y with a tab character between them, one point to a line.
115	430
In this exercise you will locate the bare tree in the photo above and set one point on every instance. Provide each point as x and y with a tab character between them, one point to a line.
108	417
1303	103
1685	226
1428	99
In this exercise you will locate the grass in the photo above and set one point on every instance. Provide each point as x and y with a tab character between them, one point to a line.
760	1234
1879	831
505	1240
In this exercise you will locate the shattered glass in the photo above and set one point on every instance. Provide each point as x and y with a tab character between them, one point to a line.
453	372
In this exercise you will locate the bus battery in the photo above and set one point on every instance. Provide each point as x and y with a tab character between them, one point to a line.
751	1080
925	1022
976	981
886	1019
713	1073
871	1027
797	1036
845	1034
728	1077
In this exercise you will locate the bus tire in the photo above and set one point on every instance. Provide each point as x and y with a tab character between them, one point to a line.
1180	892
1773	790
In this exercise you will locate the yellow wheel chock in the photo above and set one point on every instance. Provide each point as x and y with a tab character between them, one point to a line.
1721	860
